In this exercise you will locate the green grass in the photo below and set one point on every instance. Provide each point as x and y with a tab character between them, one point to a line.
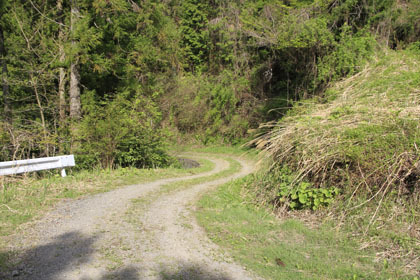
234	167
258	240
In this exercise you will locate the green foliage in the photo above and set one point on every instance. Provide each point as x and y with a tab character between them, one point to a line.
120	132
348	56
221	99
143	149
207	105
193	25
282	187
394	22
303	195
414	47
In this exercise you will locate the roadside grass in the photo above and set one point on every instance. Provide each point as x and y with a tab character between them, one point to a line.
285	249
23	199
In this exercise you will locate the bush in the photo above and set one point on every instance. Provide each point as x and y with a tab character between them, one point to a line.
142	149
414	47
347	57
122	132
210	107
303	195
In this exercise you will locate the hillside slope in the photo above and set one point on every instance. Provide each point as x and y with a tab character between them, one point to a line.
362	137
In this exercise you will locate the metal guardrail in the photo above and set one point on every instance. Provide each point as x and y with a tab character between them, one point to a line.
37	164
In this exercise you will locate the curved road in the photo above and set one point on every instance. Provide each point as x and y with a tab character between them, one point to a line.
110	236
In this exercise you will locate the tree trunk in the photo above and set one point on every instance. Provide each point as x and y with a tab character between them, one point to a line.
62	72
34	83
6	92
75	106
62	91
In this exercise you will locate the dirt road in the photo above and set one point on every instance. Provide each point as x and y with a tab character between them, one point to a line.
135	232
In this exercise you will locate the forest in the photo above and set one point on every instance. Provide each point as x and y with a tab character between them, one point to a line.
109	80
329	89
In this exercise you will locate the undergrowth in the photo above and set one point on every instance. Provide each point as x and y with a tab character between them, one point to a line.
362	138
286	248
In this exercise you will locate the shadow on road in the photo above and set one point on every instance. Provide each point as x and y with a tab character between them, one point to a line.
47	261
73	249
127	273
191	272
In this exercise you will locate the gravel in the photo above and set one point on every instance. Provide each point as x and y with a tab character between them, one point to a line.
105	237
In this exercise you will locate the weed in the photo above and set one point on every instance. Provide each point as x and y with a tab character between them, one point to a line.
260	241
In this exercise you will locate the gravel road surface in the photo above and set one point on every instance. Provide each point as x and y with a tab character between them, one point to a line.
135	232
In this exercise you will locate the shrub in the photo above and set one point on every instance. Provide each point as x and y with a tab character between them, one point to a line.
210	107
122	132
305	196
347	57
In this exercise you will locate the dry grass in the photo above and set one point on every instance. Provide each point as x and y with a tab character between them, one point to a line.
364	138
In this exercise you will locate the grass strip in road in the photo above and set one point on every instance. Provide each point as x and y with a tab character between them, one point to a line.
234	167
287	249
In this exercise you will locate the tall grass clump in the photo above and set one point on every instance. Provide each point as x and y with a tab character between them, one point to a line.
363	139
